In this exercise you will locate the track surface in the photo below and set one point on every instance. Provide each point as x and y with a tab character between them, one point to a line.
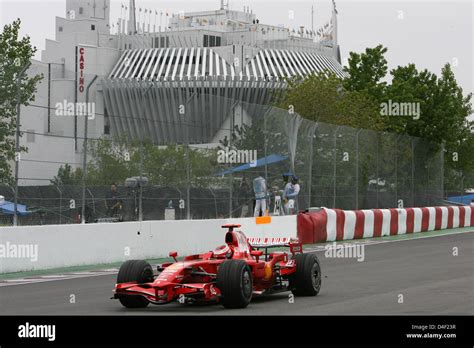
424	271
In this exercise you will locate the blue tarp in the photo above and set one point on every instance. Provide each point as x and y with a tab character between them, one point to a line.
9	207
260	162
466	199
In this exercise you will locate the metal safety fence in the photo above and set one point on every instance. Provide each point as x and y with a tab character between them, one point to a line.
217	147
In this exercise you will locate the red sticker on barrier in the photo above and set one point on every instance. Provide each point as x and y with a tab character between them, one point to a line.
410	220
378	222
450	217
340	221
462	216
439	218
425	219
359	225
393	222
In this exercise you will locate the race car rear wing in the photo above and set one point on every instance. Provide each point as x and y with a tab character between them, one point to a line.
293	243
269	242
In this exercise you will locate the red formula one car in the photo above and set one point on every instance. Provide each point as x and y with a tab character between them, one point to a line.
231	274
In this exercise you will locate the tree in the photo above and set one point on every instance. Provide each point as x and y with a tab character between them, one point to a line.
366	72
443	118
119	159
14	55
67	176
323	98
444	108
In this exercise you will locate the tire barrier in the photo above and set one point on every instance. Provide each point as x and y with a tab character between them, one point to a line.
325	225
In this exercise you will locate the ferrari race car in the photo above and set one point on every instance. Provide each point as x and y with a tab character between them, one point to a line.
230	274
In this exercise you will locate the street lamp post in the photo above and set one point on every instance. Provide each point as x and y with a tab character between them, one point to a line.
17	140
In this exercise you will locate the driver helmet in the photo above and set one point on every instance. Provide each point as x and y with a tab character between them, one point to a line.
221	251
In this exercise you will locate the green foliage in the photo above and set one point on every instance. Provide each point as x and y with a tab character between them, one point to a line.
443	117
366	71
323	98
356	101
15	53
67	176
114	161
443	107
166	166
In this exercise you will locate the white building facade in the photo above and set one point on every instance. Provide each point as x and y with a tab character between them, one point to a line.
204	61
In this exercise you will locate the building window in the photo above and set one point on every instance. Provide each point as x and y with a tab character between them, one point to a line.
164	41
92	27
60	29
211	41
106	122
81	10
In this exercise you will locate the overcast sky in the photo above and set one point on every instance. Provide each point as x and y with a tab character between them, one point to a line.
427	33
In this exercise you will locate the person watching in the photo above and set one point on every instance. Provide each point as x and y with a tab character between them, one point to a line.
290	195
113	204
260	190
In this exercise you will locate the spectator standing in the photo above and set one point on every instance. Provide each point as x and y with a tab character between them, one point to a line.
112	202
260	190
290	195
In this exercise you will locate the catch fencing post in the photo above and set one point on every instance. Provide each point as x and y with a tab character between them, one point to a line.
17	141
188	168
84	162
357	169
140	201
335	167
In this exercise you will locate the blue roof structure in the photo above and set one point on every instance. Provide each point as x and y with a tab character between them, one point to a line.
465	199
8	208
273	158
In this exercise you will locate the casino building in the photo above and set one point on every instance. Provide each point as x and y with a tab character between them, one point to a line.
173	85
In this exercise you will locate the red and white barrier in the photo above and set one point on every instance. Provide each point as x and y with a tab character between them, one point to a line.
335	224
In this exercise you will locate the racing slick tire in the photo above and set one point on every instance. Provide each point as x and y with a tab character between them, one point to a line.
306	281
134	271
234	280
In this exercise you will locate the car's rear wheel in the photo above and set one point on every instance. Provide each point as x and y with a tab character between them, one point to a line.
134	271
234	280
306	281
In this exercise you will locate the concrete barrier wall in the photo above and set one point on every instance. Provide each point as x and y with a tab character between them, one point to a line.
76	245
335	224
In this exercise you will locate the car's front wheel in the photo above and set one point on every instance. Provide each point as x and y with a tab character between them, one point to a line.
306	281
234	280
134	271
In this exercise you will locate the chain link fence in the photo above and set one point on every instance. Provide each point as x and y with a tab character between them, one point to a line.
337	166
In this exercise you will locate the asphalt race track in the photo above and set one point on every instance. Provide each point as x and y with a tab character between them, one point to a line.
424	271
